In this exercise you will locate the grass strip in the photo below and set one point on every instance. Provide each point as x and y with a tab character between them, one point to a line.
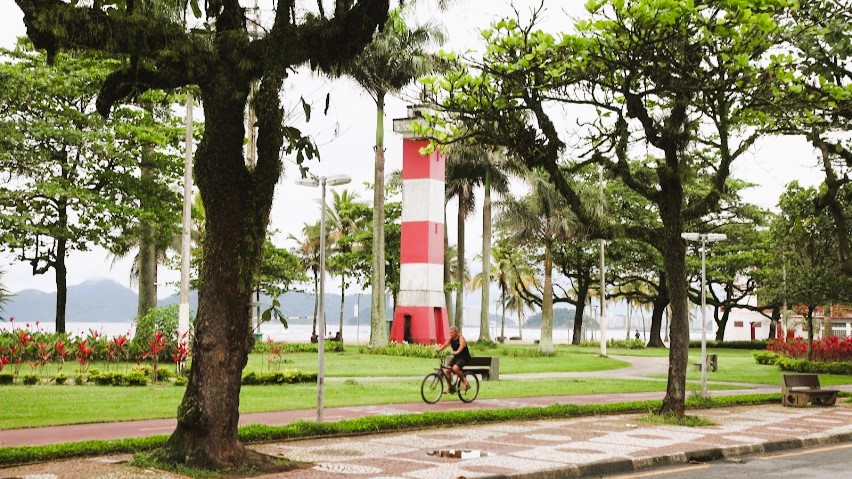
672	420
366	425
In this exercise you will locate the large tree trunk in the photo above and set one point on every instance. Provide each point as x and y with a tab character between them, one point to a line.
810	322
59	266
774	321
503	319
721	324
378	321
674	259
545	344
147	255
460	272
661	302
61	285
579	309
484	333
237	203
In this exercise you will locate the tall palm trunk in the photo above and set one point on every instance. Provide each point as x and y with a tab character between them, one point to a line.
448	297
342	303
545	344
484	334
582	293
460	269
378	322
520	320
503	319
316	303
147	254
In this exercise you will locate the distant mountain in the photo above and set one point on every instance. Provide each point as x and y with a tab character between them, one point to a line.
94	301
106	301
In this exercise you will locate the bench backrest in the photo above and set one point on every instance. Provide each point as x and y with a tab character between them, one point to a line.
801	381
480	361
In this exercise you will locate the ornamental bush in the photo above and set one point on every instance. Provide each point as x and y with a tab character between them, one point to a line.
830	349
765	357
403	350
754	345
31	379
6	378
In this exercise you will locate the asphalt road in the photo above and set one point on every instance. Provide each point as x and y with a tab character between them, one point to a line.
834	462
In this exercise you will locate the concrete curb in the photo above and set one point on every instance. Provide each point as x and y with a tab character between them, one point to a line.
623	466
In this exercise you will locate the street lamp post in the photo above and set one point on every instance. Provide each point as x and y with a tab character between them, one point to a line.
322	181
704	238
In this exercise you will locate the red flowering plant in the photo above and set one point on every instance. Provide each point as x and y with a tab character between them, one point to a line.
830	349
180	352
43	354
116	350
156	347
275	352
4	360
84	354
61	352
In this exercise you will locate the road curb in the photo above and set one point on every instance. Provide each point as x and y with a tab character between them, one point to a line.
622	466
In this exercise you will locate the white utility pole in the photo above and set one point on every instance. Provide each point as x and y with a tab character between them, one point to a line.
603	274
186	233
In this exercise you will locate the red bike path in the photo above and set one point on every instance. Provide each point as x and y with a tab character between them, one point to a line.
152	427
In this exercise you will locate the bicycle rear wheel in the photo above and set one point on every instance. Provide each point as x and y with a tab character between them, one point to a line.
432	388
470	394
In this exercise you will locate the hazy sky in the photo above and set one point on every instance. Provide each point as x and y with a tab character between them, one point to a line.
346	137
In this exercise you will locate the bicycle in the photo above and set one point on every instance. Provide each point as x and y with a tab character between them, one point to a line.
432	387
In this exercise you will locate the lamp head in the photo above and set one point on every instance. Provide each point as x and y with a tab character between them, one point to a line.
336	180
312	182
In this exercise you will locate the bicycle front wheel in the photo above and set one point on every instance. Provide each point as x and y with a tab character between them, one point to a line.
470	394
432	388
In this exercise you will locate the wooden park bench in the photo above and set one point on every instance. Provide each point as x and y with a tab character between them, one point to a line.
712	363
798	390
487	367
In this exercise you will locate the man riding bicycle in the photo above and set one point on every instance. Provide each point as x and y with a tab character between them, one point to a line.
461	356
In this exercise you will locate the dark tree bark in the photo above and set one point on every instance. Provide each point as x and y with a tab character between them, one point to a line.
661	302
774	321
460	270
147	272
61	283
579	309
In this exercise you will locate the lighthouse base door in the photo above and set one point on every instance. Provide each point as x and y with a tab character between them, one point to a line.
420	324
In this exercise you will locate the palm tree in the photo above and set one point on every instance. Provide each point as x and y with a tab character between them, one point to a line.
460	185
502	270
520	280
4	293
468	166
396	57
309	252
345	222
539	218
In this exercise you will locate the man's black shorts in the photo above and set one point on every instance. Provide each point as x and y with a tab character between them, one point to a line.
460	361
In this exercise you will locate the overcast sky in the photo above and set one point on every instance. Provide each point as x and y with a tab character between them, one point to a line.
346	138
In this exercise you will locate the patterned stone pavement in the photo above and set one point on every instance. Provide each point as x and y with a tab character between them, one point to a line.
504	448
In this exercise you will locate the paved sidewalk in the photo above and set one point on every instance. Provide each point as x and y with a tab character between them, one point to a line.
540	449
153	427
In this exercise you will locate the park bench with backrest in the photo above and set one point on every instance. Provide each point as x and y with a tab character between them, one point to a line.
487	367
712	363
798	390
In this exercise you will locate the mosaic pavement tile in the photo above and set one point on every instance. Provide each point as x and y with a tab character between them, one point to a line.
548	437
347	469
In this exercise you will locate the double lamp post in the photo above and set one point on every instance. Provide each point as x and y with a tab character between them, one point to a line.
322	181
704	238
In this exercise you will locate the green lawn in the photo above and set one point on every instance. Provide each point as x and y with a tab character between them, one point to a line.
25	406
353	364
739	366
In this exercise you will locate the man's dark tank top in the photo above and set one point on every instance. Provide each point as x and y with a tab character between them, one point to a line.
464	353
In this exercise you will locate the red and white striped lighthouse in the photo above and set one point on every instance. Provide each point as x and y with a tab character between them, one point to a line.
421	314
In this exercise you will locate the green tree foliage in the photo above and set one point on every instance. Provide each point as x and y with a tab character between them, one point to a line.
816	102
683	79
347	220
807	245
75	179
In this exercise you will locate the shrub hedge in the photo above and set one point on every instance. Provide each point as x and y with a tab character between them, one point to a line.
291	376
765	357
805	366
754	345
266	347
402	350
133	378
6	378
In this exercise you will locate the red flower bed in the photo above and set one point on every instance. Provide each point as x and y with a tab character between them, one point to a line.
831	349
